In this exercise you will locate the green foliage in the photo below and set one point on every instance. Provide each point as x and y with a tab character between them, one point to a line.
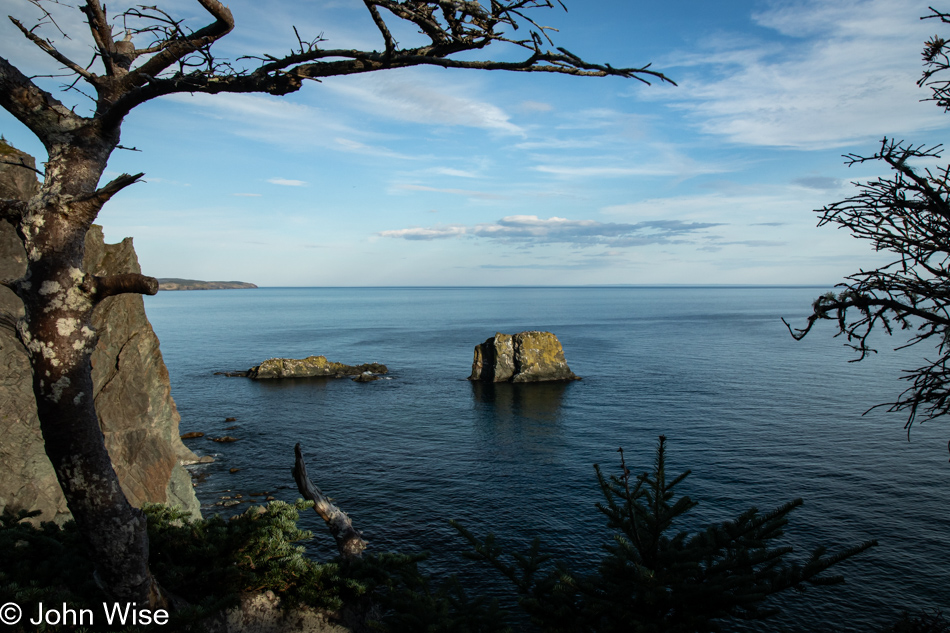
5	147
207	562
44	564
654	580
925	622
408	601
217	559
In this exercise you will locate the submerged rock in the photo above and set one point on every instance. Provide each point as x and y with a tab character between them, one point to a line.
524	357
312	366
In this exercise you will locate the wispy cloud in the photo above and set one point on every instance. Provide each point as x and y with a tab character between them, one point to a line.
821	183
535	106
405	96
455	173
532	229
468	193
286	124
844	73
287	182
356	147
611	171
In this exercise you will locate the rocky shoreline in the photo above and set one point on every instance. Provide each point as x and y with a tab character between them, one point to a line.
171	283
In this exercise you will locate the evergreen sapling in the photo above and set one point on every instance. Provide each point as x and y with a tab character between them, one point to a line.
655	580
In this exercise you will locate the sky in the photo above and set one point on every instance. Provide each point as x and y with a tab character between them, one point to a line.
434	177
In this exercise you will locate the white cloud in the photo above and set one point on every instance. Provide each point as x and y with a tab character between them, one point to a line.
535	106
847	76
286	124
430	233
408	97
286	182
532	229
455	173
349	145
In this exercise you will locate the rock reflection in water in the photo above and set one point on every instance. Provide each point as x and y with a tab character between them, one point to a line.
525	417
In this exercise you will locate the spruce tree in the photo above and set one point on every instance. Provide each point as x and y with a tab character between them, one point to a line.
654	579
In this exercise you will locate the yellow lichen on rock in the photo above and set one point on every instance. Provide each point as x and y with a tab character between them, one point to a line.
310	367
531	356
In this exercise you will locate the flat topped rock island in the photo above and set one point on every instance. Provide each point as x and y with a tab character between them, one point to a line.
523	357
310	367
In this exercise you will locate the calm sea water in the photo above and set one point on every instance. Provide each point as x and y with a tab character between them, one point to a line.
758	417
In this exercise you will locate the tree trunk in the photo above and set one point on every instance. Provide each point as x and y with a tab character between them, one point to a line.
59	298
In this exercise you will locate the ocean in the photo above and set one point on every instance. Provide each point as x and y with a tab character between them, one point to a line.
759	418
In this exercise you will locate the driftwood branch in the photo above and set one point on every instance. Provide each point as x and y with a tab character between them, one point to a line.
348	540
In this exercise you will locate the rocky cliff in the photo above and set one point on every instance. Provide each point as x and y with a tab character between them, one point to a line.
137	414
524	357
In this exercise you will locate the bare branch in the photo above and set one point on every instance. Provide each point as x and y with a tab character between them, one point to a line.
32	106
381	25
908	214
183	45
87	207
50	50
101	33
21	163
349	541
126	283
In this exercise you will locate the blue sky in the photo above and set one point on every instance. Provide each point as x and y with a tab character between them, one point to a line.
441	177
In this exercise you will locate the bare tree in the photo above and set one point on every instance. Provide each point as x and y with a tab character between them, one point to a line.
906	214
149	55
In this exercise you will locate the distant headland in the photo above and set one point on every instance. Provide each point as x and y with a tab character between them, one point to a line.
170	283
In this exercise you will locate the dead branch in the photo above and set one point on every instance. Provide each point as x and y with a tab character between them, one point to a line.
349	541
21	163
34	107
907	214
126	283
51	50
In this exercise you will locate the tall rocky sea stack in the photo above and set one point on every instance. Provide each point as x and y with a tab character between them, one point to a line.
524	357
137	414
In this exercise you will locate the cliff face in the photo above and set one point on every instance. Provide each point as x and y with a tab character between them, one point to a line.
133	399
524	357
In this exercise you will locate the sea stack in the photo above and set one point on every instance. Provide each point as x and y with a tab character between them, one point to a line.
524	357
